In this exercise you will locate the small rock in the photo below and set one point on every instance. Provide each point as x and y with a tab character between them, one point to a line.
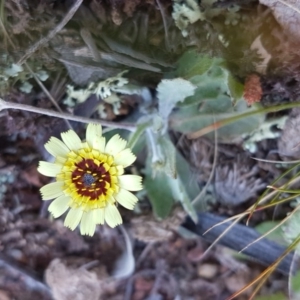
207	271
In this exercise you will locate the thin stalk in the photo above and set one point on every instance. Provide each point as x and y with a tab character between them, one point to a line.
48	112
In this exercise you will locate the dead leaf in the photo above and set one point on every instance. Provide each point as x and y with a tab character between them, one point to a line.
72	284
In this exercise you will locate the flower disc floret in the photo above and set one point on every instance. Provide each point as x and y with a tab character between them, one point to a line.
89	179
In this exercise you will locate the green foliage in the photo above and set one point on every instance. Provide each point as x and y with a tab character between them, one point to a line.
193	64
190	119
291	228
276	235
295	283
277	296
210	76
218	96
169	153
170	92
169	180
205	92
158	191
13	73
236	89
134	137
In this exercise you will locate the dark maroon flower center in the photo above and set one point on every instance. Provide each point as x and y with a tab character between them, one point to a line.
90	179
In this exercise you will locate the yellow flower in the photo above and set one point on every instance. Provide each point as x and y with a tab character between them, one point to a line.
89	179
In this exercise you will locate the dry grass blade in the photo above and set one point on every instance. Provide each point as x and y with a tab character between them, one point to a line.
265	196
276	161
224	232
238	217
267	272
271	230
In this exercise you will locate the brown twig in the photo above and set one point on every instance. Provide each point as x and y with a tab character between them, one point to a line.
52	33
48	112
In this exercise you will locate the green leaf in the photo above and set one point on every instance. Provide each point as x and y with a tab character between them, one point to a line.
188	179
189	184
291	229
158	191
26	87
188	120
171	91
211	85
134	137
180	194
236	88
13	71
159	194
276	235
163	189
295	282
169	152
192	63
277	296
42	75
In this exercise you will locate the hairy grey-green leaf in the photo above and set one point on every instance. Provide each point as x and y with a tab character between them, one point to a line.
188	120
170	92
158	191
134	137
169	153
13	70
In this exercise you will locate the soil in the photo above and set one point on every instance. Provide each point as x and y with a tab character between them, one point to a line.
42	259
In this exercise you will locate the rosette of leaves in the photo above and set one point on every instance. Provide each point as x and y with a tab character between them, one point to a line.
202	90
168	177
218	95
291	230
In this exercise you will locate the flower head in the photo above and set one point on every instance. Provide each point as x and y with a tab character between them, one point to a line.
89	179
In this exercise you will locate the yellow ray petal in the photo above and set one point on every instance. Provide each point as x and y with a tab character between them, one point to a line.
73	218
93	131
52	190
71	139
112	215
87	225
49	169
126	199
115	145
130	182
125	158
56	147
99	143
59	206
98	216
